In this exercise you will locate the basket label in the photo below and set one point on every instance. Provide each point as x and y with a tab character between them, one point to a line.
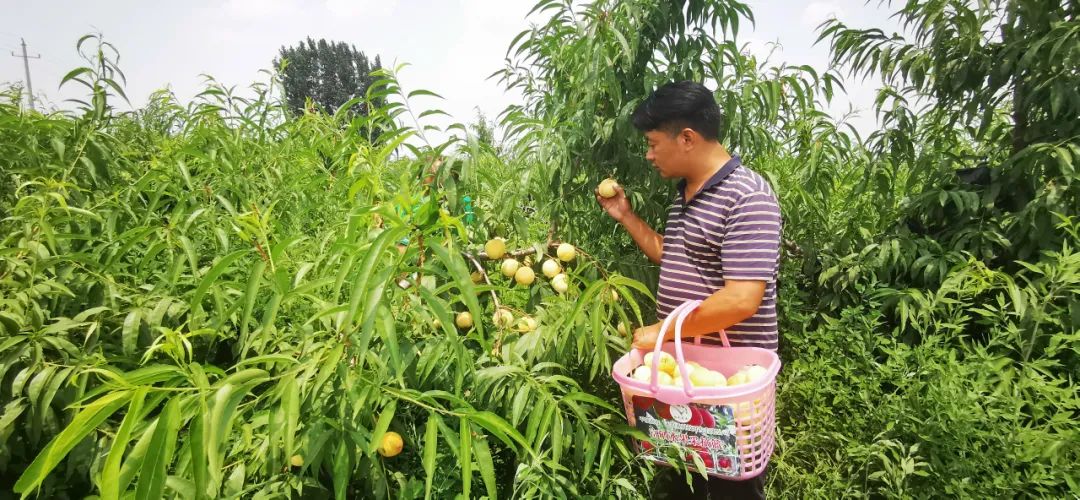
708	430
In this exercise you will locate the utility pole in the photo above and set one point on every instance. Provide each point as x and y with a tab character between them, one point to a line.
26	67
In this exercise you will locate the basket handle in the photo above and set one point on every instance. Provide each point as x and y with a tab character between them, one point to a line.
679	315
654	383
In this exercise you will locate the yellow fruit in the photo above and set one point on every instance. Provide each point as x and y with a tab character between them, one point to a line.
707	378
642	373
463	320
667	362
525	276
560	283
436	324
566	252
664	379
551	268
503	318
391	444
526	324
754	372
738	379
622	328
476	277
677	374
694	364
607	188
297	461
495	248
509	267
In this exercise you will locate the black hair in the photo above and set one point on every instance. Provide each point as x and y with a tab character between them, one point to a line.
679	105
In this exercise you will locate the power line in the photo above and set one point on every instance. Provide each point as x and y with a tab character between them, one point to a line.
26	66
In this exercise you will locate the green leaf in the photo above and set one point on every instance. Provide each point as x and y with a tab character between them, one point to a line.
151	482
487	467
88	419
465	456
212	276
381	426
431	448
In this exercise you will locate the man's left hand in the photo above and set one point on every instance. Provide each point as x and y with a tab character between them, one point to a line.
645	337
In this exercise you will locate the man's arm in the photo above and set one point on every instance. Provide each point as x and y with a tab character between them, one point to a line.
737	301
648	240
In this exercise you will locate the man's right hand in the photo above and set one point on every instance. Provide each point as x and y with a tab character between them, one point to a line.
618	207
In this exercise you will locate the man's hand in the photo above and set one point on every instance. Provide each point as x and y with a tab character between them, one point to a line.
618	207
646	336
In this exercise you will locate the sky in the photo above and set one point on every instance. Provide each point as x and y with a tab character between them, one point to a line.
451	46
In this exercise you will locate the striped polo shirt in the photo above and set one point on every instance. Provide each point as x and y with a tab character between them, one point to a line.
729	230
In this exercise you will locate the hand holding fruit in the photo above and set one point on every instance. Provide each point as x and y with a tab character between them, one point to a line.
612	199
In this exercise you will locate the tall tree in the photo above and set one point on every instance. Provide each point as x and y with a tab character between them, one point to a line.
330	73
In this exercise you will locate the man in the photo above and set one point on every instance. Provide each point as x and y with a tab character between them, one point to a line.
720	245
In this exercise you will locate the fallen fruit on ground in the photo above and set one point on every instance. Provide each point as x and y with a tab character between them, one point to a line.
566	252
297	461
622	328
476	277
391	444
495	248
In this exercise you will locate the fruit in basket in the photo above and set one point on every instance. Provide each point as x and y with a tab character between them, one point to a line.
663	378
509	267
667	362
566	252
525	276
755	372
606	189
747	374
641	374
707	378
551	268
495	248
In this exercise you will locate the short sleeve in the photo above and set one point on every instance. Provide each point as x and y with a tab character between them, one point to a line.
750	249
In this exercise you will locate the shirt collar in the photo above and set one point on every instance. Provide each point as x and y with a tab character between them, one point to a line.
717	178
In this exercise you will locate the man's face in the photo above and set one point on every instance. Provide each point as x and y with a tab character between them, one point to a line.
666	153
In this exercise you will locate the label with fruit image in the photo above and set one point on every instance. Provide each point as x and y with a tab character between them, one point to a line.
708	430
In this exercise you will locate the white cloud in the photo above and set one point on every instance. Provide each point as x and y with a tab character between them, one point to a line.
357	8
261	8
818	12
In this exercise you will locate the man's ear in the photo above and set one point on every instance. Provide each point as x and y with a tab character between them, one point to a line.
688	138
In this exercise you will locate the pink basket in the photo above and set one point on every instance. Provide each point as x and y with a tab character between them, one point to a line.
731	428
